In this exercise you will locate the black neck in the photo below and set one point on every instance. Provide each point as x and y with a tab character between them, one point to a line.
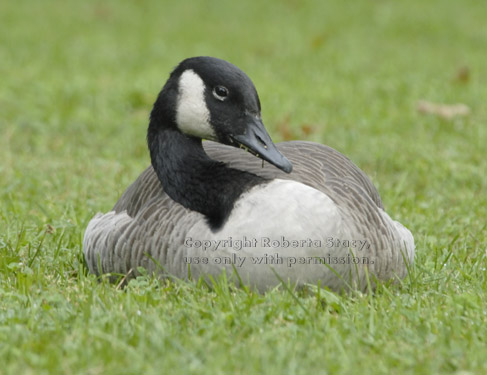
191	178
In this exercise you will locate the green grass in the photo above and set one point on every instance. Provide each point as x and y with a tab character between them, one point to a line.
77	83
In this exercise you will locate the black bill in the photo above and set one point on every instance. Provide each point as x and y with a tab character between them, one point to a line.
257	141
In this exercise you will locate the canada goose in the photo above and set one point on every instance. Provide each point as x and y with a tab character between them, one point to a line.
205	207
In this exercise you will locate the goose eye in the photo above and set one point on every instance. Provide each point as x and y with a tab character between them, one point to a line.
220	92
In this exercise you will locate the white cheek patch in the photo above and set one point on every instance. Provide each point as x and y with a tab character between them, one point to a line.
192	115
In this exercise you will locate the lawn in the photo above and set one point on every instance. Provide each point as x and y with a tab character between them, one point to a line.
78	80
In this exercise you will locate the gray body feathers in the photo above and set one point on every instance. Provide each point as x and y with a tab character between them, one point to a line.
147	228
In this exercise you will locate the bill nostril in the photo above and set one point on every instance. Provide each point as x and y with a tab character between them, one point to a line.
261	141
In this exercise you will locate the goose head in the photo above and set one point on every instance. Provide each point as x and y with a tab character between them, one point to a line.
209	98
